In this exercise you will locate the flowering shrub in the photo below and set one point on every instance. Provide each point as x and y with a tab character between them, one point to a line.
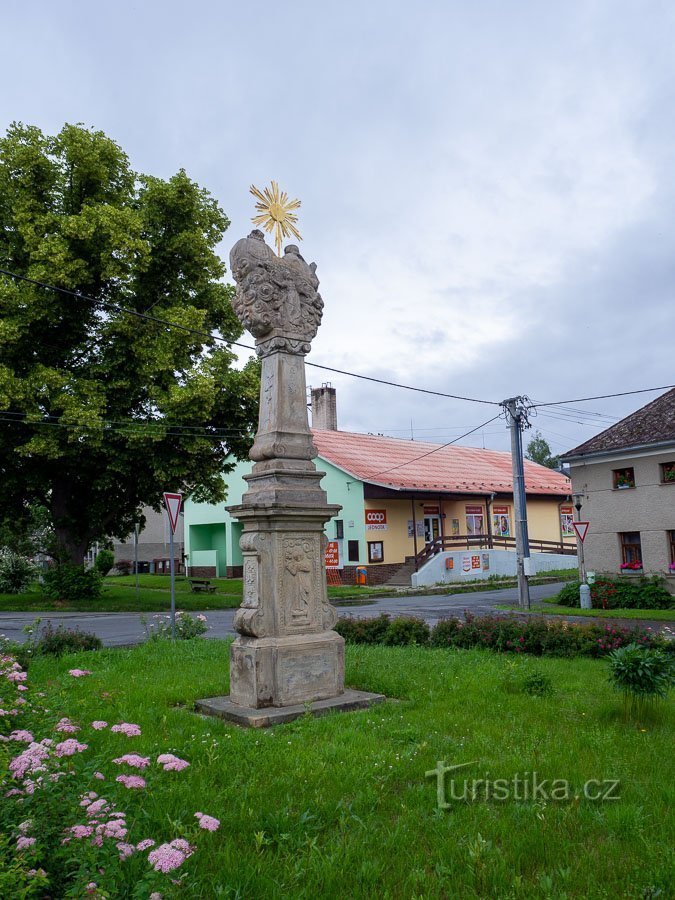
617	593
383	630
60	838
16	572
632	566
187	627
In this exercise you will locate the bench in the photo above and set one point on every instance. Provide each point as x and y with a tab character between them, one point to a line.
201	586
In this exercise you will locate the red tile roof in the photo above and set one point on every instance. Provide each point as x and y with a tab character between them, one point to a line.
466	470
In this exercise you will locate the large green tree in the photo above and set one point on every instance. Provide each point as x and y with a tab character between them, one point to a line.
101	411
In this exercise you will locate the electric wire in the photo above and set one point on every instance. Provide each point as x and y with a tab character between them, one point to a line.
213	337
435	450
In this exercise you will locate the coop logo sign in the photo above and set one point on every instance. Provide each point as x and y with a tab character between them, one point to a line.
376	519
521	787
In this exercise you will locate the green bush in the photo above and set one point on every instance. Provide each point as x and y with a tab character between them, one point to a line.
643	675
537	684
363	631
66	581
406	630
16	572
621	593
105	560
57	641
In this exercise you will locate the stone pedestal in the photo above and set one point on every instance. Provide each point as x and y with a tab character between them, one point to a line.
287	657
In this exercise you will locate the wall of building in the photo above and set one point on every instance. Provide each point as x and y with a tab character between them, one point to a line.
457	566
153	540
647	508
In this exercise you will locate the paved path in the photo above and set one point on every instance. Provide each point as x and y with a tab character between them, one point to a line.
123	629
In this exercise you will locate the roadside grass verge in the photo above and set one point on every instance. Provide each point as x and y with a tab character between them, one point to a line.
340	806
549	607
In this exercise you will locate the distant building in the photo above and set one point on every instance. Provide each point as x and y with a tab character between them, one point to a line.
625	479
153	544
399	499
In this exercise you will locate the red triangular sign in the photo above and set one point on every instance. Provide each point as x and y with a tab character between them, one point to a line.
172	503
581	528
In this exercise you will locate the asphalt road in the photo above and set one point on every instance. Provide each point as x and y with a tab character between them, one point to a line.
124	629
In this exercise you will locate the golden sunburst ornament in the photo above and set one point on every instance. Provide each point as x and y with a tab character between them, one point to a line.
276	213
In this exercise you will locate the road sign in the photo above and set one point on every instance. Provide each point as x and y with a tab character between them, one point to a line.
172	503
581	528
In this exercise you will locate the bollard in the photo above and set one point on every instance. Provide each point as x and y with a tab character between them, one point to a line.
585	596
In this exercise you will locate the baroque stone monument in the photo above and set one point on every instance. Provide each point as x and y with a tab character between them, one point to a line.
286	655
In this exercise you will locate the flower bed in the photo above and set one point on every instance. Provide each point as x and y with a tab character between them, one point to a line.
617	593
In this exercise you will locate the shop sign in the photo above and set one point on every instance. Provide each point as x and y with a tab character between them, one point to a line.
332	555
432	510
376	519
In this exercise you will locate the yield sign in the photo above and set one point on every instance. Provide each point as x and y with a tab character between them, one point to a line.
581	528
172	503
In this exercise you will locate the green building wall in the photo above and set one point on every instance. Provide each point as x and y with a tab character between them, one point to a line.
212	535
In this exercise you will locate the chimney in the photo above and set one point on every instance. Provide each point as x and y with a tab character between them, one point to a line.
324	408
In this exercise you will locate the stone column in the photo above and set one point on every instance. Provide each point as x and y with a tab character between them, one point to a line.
286	652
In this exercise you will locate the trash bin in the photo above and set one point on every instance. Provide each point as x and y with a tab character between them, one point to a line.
361	575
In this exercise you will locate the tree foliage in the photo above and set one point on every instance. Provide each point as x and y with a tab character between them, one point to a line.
539	451
95	401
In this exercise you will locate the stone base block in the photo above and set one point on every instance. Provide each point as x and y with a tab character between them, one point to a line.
285	671
249	717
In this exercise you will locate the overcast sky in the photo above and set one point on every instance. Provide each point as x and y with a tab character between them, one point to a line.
487	188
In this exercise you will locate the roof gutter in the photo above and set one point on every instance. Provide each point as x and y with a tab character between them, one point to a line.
622	451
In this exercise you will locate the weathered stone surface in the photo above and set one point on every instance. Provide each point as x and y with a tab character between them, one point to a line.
286	653
252	717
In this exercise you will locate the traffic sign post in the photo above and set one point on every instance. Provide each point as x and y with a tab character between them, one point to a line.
172	503
581	529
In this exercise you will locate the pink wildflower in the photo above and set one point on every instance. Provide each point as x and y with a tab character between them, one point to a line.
166	858
98	806
69	747
155	895
127	728
79	673
125	849
145	844
131	781
99	724
133	760
17	677
23	843
91	887
99	776
30	760
81	831
19	735
21	687
208	823
26	826
67	726
172	763
115	828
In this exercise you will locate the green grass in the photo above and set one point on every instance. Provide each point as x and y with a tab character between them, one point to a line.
551	608
154	595
340	806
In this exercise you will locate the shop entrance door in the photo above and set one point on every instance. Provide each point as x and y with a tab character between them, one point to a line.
432	529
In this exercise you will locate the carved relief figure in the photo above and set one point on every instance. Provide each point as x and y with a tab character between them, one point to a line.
298	564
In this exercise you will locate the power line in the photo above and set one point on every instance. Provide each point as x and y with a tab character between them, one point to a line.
23	418
435	450
213	337
665	387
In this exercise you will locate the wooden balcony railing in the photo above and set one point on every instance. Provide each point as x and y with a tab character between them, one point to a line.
487	542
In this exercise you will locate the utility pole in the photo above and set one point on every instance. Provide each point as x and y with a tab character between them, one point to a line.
136	557
516	419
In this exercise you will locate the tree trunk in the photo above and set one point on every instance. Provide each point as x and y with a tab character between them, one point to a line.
71	546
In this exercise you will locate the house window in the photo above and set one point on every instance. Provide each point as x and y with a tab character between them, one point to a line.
668	473
339	529
623	478
671	541
631	548
353	551
375	551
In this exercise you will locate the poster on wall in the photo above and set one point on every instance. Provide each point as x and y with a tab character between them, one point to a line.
455	526
376	520
474	520
566	519
332	555
486	562
501	521
420	529
466	564
375	551
411	528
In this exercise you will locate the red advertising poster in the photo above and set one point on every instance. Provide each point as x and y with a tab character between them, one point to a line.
475	562
376	519
332	555
449	562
